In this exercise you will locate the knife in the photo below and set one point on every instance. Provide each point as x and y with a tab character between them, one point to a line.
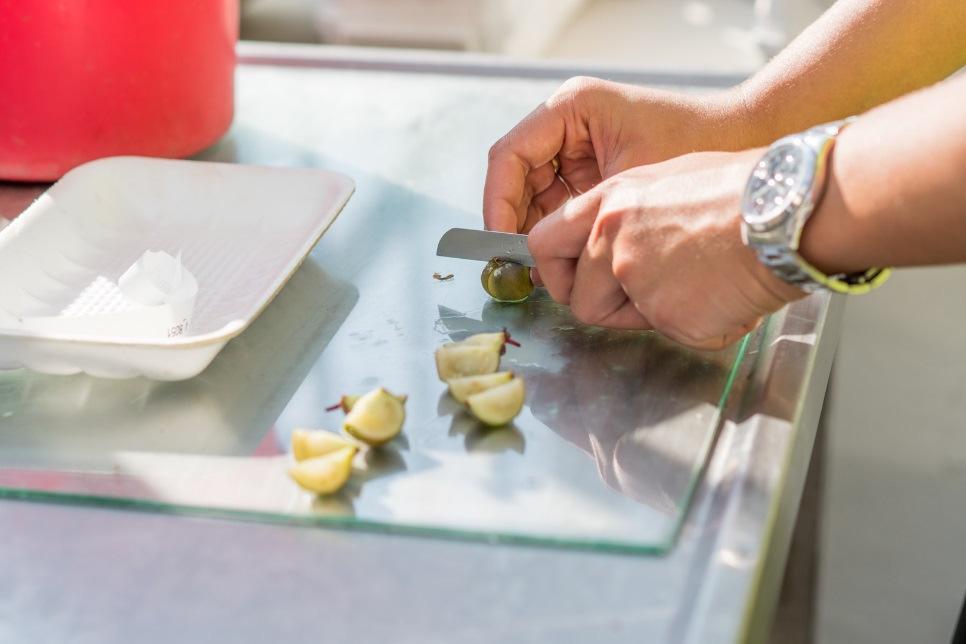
484	245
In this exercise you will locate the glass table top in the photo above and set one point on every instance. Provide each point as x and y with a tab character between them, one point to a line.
617	425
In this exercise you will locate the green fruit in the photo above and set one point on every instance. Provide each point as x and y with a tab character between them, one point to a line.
506	281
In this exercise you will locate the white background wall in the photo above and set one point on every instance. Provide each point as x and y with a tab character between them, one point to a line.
894	542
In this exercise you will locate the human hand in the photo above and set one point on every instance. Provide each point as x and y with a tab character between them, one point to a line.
594	129
659	246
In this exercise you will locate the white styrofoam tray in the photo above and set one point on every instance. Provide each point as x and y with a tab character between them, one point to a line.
242	231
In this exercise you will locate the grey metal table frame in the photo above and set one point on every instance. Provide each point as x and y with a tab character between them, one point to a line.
93	574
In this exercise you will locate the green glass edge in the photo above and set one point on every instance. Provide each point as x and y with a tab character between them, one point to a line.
709	441
402	529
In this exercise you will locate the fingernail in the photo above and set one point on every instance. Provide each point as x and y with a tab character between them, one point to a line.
535	277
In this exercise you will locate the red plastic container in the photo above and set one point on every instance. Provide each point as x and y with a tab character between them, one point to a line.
84	79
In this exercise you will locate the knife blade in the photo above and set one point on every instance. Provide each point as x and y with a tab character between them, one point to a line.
484	245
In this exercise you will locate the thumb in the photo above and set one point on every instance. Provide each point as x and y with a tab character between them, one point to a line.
558	240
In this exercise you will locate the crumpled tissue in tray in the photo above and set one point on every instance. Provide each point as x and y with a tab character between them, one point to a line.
84	286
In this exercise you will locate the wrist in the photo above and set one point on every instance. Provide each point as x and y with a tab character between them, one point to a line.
829	238
729	121
768	284
687	123
787	192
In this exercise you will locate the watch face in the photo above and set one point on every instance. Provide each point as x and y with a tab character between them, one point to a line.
778	183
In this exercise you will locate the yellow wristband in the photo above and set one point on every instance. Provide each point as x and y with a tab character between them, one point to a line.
851	284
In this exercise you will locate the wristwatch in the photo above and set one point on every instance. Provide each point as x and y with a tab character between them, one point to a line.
782	192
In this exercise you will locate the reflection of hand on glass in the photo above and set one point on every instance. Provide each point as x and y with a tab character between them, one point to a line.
641	407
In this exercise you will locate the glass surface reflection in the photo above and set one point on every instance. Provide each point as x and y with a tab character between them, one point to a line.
616	428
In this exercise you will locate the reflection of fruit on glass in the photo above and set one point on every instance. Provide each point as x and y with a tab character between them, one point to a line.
506	281
477	355
307	443
324	474
498	405
376	417
462	388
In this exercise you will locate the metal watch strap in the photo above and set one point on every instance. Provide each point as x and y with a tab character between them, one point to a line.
789	266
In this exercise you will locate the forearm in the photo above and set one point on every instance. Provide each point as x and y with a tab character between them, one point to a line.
859	54
897	187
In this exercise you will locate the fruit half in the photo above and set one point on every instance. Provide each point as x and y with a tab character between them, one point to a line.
499	405
309	443
464	387
324	474
376	417
459	359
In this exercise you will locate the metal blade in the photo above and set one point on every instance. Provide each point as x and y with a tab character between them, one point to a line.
484	245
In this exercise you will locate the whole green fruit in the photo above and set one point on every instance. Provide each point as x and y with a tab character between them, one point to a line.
506	281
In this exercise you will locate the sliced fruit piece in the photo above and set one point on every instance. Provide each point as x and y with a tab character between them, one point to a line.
376	418
492	340
345	404
324	474
497	340
499	405
459	359
309	443
464	387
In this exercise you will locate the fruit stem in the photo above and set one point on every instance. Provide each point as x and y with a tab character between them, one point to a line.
338	405
507	339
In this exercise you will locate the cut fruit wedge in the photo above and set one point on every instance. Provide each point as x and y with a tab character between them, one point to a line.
309	443
459	359
345	404
324	474
492	340
464	387
499	405
376	417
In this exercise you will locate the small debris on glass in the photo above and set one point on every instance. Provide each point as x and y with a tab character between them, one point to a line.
442	278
